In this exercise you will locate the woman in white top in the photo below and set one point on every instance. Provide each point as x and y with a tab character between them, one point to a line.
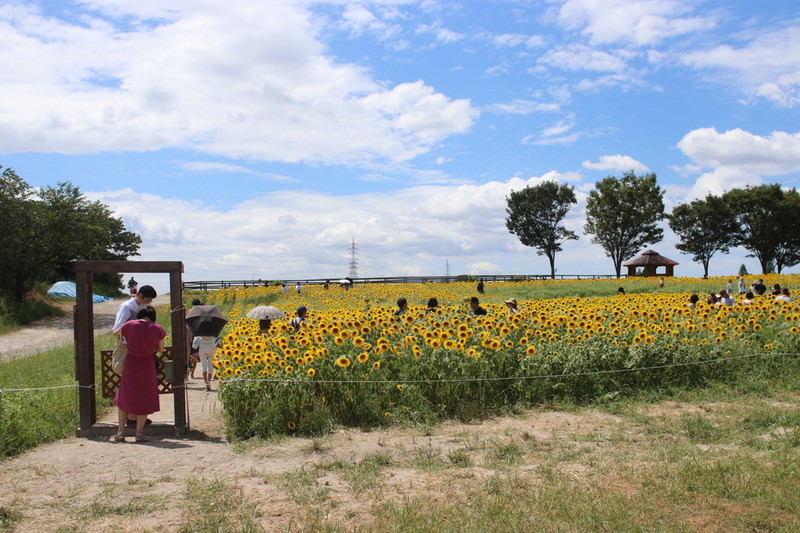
784	296
206	347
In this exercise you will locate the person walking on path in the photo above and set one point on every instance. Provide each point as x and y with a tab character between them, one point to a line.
138	389
206	348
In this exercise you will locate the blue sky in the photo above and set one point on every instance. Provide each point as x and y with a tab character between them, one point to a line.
257	139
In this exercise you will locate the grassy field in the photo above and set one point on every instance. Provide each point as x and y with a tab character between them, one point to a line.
34	417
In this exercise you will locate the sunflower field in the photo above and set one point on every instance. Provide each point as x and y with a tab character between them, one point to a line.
354	363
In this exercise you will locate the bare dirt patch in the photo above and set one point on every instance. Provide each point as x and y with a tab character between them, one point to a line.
72	480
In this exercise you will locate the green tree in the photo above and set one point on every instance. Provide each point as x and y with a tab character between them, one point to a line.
623	213
769	224
705	227
40	235
534	215
93	233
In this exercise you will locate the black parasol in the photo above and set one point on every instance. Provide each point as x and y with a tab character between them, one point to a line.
205	321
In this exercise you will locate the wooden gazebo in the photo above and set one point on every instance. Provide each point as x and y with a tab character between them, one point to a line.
649	262
84	337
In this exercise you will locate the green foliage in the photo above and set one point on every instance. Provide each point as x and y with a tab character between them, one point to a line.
769	224
14	314
623	213
30	418
704	227
41	234
534	215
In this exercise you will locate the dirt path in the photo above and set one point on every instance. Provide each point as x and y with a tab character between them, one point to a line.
54	331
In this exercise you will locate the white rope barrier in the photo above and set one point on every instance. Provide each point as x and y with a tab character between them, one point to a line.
74	385
464	380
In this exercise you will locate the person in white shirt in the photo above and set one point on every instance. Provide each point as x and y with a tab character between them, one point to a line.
128	309
725	298
784	296
206	348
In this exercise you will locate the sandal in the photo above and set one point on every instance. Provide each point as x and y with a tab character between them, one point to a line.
141	437
120	437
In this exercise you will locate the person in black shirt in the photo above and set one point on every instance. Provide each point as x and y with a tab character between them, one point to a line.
402	306
474	304
759	288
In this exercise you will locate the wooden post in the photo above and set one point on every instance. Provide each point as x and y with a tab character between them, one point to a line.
179	349
84	349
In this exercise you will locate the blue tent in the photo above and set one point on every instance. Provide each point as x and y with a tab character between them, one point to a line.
66	289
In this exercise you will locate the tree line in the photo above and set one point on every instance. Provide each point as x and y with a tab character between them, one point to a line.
623	215
43	230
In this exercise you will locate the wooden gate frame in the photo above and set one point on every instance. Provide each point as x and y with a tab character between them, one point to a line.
84	334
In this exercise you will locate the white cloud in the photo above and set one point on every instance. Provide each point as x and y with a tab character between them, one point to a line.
525	107
768	66
179	76
518	39
738	158
639	23
581	57
228	168
484	268
561	132
304	233
616	162
441	34
359	20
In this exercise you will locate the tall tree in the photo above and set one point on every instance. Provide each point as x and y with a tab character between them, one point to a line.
41	234
534	215
92	233
769	224
22	256
705	227
623	213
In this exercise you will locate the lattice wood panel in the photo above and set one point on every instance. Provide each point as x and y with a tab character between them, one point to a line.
110	381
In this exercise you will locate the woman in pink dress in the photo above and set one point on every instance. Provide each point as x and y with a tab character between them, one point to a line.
138	389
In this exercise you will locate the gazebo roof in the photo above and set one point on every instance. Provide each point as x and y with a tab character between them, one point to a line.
650	257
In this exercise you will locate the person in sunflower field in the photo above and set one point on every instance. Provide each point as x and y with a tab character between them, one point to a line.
302	311
138	389
475	306
402	307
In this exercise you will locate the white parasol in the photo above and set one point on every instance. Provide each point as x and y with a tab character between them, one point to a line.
265	312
